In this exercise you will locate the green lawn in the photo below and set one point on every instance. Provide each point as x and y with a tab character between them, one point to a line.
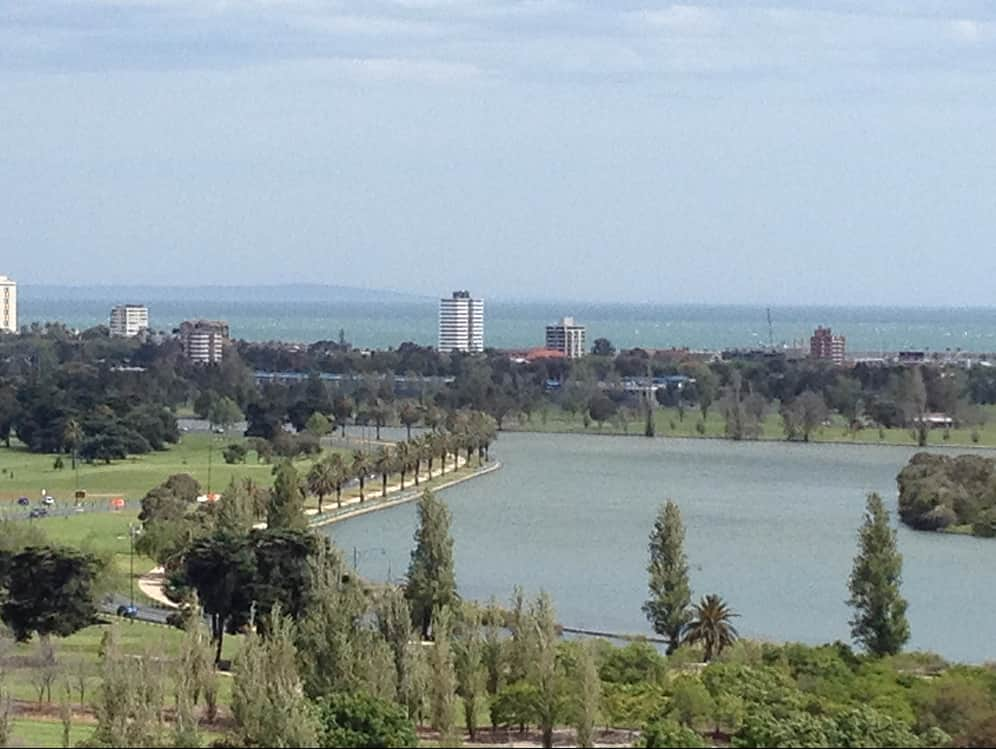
46	732
80	652
25	474
668	423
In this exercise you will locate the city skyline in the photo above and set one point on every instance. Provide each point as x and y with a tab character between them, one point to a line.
717	152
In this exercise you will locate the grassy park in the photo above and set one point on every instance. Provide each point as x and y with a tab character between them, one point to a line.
669	423
37	721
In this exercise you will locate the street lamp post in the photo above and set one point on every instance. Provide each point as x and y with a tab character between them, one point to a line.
131	562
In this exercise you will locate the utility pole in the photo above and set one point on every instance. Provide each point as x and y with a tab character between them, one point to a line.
771	332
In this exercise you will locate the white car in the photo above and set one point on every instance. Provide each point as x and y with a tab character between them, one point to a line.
49	500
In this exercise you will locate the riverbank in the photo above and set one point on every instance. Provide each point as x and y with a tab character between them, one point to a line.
151	583
669	422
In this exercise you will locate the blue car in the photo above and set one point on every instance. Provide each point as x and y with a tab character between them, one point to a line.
23	501
38	512
128	611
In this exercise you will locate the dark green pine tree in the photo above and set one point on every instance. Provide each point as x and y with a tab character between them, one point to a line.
670	594
431	579
879	622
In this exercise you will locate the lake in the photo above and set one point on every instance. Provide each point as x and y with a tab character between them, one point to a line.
772	527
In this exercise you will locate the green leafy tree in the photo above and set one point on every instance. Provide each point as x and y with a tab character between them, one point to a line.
879	622
221	568
283	572
667	608
443	680
431	579
318	424
710	626
286	507
49	591
669	733
235	453
358	720
468	650
224	412
589	695
803	415
551	691
268	703
394	621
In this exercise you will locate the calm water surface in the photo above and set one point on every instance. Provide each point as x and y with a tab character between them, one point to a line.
770	526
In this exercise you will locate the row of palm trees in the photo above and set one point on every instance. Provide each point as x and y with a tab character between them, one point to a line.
468	432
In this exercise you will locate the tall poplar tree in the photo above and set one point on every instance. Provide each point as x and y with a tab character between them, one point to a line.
286	507
442	682
431	579
879	622
667	608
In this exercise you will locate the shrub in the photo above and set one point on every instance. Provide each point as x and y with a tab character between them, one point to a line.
235	453
515	704
667	733
357	720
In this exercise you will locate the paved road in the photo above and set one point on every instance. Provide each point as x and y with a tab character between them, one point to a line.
145	613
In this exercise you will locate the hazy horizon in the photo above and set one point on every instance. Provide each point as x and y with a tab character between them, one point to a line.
716	152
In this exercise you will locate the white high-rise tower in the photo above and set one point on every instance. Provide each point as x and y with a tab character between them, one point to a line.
8	305
461	323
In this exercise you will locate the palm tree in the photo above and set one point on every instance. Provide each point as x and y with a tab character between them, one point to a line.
339	473
711	626
321	480
404	455
409	414
72	435
381	412
384	464
360	468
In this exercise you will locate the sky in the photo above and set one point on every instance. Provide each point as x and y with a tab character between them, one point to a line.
732	151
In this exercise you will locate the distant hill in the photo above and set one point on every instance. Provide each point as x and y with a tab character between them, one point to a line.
268	293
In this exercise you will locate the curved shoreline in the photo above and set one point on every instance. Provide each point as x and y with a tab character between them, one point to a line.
408	496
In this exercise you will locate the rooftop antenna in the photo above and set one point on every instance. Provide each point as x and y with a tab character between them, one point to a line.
771	332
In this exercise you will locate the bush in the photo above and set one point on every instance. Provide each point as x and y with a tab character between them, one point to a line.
700	427
357	720
235	453
635	663
667	733
515	704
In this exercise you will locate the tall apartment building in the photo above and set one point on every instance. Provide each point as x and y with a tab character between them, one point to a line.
461	323
204	341
129	320
8	305
827	346
567	337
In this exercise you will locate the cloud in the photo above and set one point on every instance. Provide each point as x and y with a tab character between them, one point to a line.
441	40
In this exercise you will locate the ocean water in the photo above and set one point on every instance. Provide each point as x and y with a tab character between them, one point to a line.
771	526
273	314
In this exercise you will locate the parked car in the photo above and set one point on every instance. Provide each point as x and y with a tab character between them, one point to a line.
38	512
23	501
128	611
49	500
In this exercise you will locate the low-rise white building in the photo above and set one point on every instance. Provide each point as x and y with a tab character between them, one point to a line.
128	320
8	305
